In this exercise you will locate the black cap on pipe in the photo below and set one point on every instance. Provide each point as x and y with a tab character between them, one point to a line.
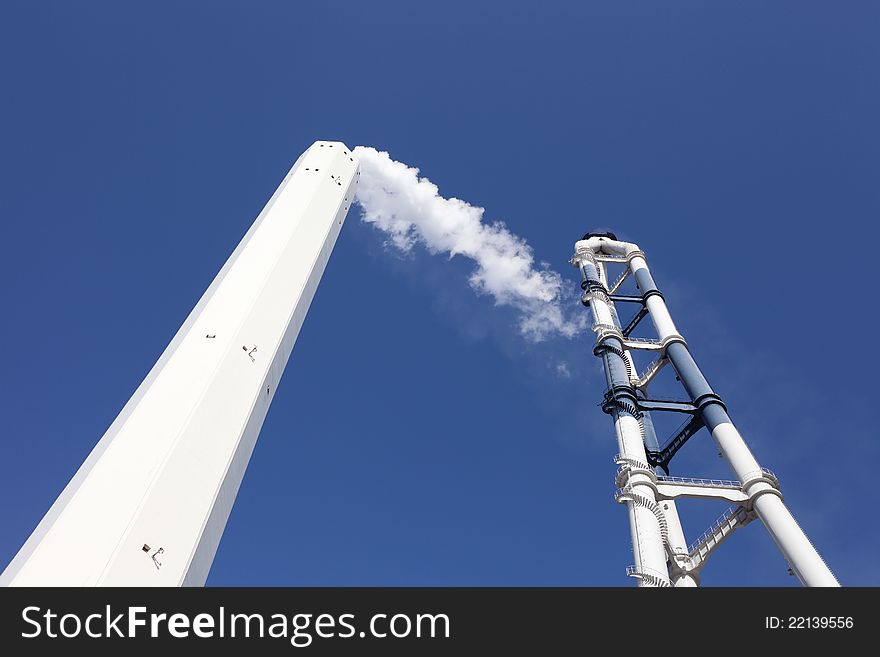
601	233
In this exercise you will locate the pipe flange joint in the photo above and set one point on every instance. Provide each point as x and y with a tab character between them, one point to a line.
671	339
761	476
627	470
757	476
591	284
654	292
754	495
638	253
708	399
607	332
621	398
595	291
619	390
587	296
583	253
602	348
628	493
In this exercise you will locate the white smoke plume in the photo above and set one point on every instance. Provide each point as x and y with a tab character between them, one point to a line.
411	211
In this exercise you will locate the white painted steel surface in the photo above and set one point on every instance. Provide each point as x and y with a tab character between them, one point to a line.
149	504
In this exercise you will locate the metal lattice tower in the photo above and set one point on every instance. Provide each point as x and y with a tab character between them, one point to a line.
662	555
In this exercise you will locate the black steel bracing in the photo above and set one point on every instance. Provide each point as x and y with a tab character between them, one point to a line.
629	328
662	457
625	298
668	405
619	399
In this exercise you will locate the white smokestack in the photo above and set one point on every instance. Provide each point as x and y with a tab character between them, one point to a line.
411	211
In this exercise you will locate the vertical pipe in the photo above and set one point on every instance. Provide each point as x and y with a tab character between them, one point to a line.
675	532
647	535
676	538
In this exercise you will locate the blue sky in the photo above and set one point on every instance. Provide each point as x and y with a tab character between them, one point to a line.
416	438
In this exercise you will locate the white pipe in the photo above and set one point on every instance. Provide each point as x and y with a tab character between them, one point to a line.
678	545
803	558
647	540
